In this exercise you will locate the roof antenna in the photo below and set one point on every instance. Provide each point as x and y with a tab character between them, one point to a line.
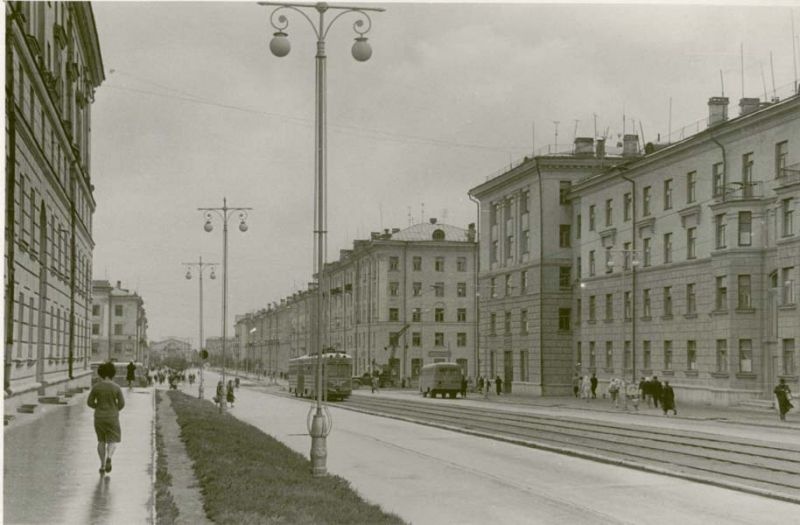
669	131
722	83
556	128
594	116
741	63
772	68
533	138
794	54
763	82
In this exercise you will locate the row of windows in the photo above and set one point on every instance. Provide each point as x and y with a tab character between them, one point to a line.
743	188
438	315
668	356
416	289
438	264
55	330
438	339
97	308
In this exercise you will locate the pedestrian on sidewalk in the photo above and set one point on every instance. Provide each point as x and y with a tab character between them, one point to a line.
480	384
576	385
655	390
632	394
613	391
488	388
593	382
668	399
463	386
374	383
106	399
784	395
220	397
586	388
498	385
229	397
130	377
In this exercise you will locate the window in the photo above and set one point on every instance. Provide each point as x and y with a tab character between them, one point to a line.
592	355
493	323
523	365
461	315
461	289
609	307
564	318
647	249
564	235
95	310
745	355
747	174
118	310
668	194
439	264
647	357
438	339
627	356
416	264
523	281
691	243
717	179
507	286
507	322
394	314
667	301
787	286
438	289
787	215
523	322
627	207
691	187
691	299
722	355
118	329
781	153
461	339
627	253
524	239
523	202
667	355
646	302
627	306
743	285
609	261
722	293
592	307
719	228
788	357
461	264
609	212
438	315
578	310
394	263
591	218
578	268
691	355
563	191
416	339
591	263
667	248
394	288
495	251
95	329
416	315
493	286
745	228
609	355
645	201
564	275
416	289
578	223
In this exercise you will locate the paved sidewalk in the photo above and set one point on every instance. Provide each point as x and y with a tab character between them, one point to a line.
50	466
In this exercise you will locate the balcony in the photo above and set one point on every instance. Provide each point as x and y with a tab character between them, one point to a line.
740	191
788	176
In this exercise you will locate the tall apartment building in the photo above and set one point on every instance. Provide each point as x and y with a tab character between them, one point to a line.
690	258
53	66
215	351
119	324
526	275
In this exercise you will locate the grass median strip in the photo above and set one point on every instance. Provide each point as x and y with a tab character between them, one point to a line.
248	477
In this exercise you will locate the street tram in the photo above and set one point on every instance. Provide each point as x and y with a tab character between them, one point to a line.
337	375
440	378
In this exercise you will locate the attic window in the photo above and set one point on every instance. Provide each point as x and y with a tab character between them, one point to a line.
438	235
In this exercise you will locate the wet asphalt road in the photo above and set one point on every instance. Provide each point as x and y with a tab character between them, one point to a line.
51	467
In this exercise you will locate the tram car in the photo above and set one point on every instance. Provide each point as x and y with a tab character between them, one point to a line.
337	375
440	378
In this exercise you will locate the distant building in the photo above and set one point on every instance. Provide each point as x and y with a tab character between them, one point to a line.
119	324
214	348
53	66
171	347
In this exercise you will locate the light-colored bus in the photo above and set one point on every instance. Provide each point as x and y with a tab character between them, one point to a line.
440	378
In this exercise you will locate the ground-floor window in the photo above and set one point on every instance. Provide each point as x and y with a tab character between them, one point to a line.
523	365
788	357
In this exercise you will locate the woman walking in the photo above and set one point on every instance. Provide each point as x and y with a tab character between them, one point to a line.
229	396
106	399
784	395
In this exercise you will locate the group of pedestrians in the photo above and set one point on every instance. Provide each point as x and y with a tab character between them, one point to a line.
225	393
485	385
651	390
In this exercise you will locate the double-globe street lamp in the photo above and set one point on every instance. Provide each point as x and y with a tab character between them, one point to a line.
225	213
201	266
320	425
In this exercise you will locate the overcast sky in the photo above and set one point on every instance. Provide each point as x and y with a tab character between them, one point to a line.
195	107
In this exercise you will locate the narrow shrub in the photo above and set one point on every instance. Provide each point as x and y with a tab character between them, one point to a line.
248	477
166	510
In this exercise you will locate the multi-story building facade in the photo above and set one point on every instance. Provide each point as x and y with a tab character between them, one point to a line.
119	324
172	348
403	299
690	271
53	66
215	351
526	273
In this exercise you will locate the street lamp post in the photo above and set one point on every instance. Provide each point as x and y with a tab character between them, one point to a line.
319	427
225	213
200	265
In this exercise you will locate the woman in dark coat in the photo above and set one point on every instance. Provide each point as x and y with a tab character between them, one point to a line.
498	383
229	396
784	395
668	399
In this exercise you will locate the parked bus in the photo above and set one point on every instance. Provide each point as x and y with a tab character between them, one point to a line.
440	378
337	375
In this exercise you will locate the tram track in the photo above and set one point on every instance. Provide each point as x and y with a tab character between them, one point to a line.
765	468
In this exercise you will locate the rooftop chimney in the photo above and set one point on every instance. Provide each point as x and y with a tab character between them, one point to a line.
600	148
471	232
395	230
119	284
717	110
584	146
748	105
433	220
630	145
